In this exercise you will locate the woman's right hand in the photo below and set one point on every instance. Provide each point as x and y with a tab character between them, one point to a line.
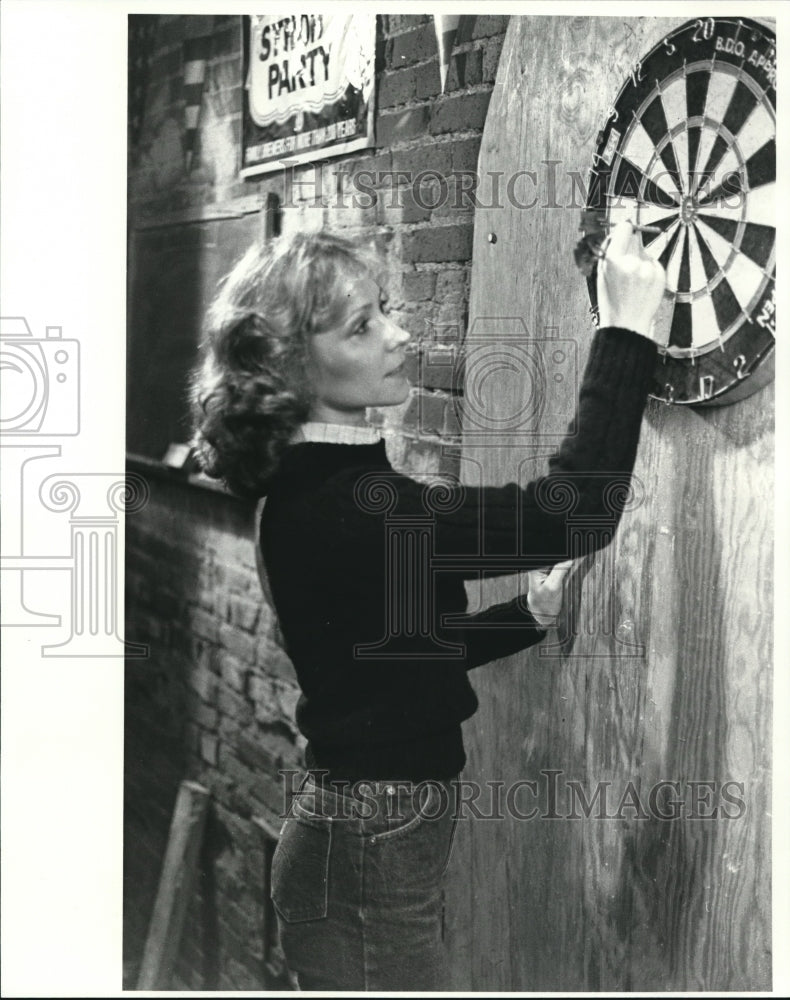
630	283
545	593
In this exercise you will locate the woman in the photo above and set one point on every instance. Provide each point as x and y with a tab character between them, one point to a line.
366	567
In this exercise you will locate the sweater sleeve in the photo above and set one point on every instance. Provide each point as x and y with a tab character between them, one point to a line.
571	511
499	631
612	401
575	508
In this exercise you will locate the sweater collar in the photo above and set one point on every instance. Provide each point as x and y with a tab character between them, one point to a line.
336	433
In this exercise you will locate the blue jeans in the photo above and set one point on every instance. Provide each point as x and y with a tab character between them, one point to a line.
357	885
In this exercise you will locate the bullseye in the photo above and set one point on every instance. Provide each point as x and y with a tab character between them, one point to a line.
688	210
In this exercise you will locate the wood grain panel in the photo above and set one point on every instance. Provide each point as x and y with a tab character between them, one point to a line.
662	672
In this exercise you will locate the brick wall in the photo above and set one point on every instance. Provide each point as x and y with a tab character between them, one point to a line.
214	700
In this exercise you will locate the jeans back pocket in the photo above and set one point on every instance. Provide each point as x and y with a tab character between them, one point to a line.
300	867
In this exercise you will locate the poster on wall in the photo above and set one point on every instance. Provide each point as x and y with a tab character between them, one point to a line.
308	90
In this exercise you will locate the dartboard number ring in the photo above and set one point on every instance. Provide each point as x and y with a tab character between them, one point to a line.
689	150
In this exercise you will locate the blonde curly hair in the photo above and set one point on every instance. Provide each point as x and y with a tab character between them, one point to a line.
250	392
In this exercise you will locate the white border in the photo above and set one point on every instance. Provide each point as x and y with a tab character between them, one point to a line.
63	174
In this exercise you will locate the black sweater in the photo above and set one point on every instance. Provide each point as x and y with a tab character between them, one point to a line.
366	568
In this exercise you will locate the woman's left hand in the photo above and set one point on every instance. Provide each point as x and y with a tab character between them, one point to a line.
544	595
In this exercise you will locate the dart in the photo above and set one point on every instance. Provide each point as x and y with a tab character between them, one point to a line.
592	220
589	250
641	229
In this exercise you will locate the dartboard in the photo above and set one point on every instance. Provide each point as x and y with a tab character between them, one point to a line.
688	151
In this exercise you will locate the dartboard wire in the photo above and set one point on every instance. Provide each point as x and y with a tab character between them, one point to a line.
707	213
678	145
752	263
689	165
706	197
758	92
738	292
656	154
749	80
680	186
761	202
737	33
672	213
686	122
674	259
694	232
736	250
695	182
699	285
698	175
690	234
621	157
759	96
685	235
769	276
744	78
663	239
